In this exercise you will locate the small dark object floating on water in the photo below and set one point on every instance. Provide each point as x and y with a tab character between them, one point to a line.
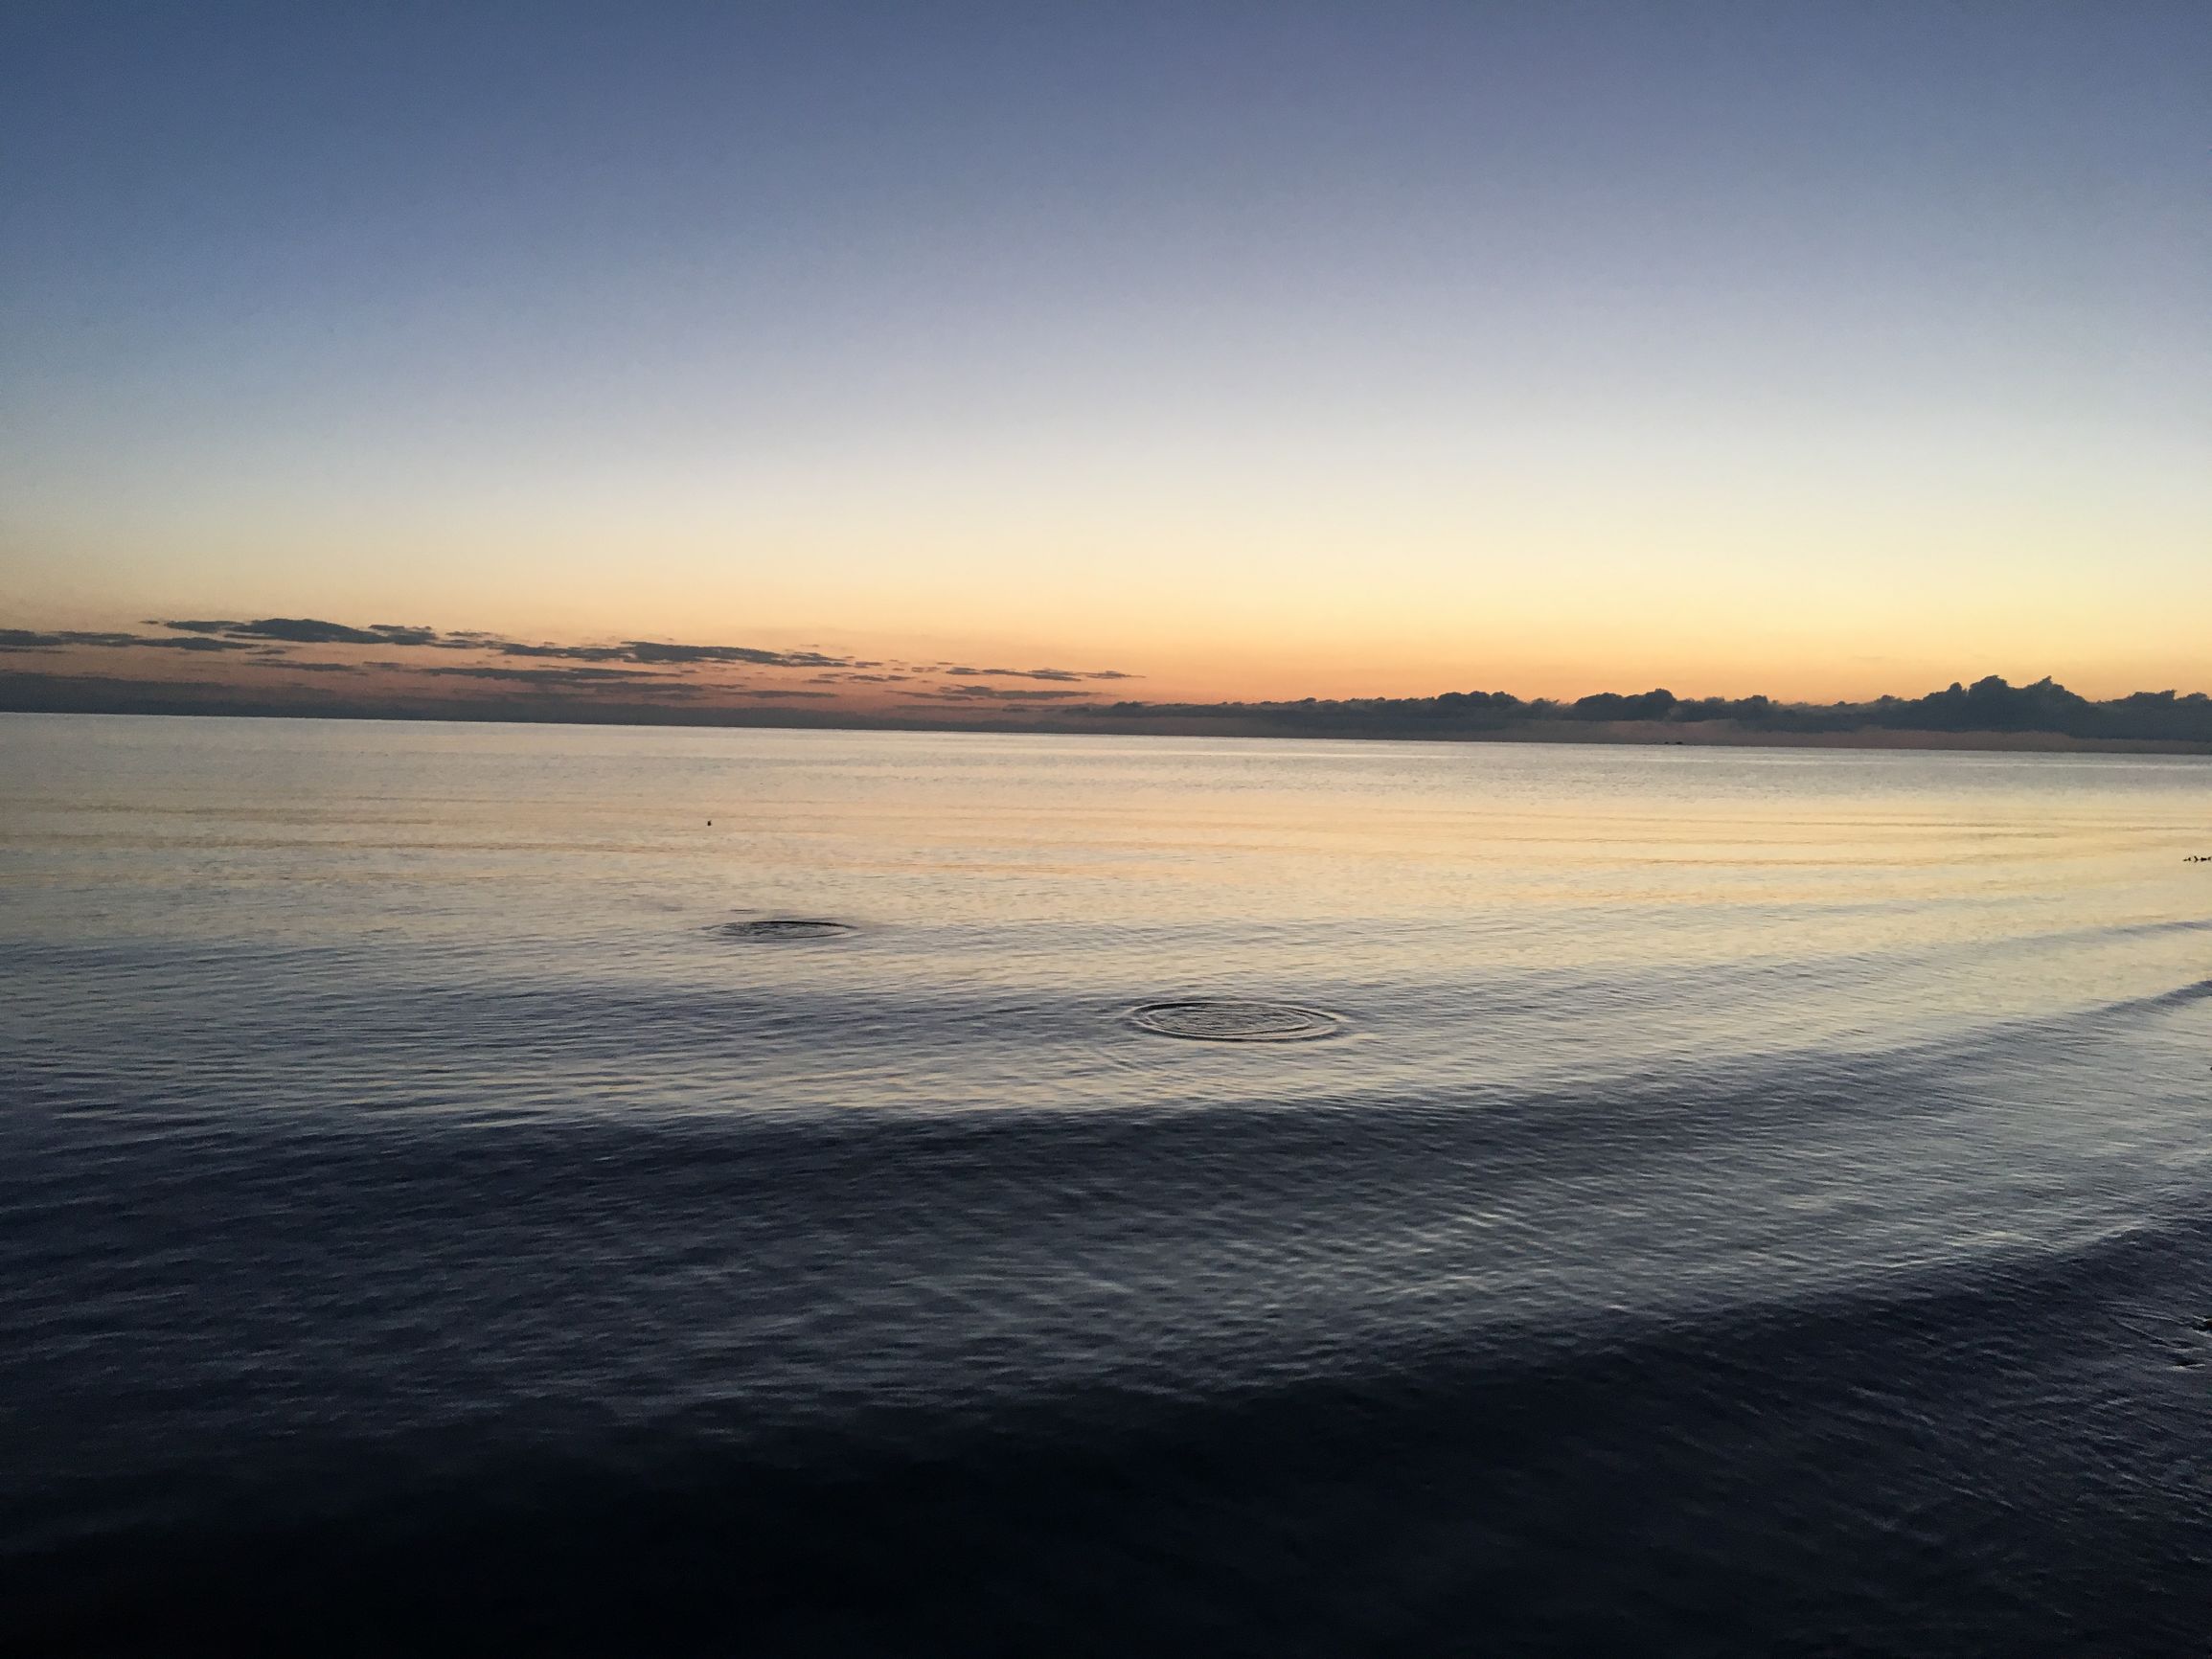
786	927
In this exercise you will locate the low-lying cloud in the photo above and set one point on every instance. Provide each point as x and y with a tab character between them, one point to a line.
309	632
278	633
316	631
421	665
533	676
996	694
1039	673
34	640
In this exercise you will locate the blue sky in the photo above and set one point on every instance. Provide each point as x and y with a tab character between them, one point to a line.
1540	344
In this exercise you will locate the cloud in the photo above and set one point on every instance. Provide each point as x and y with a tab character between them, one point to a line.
30	640
646	652
26	640
661	651
996	694
530	676
218	635
568	654
1038	673
315	630
659	668
305	632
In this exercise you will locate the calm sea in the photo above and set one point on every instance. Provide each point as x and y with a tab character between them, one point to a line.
1694	1200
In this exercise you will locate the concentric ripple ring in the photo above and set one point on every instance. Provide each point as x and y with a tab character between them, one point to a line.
1218	1020
776	927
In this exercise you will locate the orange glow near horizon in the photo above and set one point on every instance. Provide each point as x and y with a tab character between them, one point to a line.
1281	667
1840	563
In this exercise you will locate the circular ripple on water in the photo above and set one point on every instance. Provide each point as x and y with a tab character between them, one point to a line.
1216	1020
775	927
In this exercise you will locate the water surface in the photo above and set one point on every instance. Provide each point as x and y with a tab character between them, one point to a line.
718	1191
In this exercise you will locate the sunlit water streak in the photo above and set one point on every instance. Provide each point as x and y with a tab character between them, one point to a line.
454	1176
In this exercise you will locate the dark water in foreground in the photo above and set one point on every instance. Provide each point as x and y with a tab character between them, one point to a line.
1726	1202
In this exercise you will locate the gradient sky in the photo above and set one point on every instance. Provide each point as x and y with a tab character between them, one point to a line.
1263	350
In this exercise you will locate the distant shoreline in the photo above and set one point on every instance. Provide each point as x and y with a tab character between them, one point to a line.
43	695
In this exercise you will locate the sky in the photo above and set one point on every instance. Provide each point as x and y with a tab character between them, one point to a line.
1246	350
